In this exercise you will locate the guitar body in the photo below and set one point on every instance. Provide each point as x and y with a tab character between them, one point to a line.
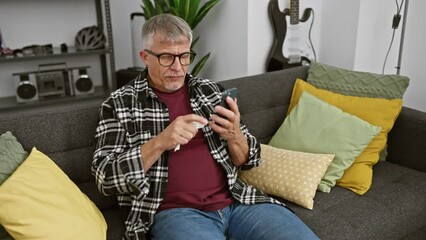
297	48
285	39
276	58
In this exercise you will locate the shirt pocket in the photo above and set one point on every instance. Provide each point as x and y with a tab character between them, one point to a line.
138	138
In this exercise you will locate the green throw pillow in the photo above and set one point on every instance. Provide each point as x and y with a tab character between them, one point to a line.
318	127
11	156
354	83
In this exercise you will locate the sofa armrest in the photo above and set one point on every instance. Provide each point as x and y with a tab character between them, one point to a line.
407	140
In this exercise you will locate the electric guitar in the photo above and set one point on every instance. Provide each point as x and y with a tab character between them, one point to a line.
292	44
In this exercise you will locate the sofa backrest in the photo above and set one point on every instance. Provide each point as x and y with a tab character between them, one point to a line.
263	99
65	133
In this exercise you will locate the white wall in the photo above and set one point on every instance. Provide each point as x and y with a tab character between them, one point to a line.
351	34
122	27
223	32
374	36
257	48
414	55
338	27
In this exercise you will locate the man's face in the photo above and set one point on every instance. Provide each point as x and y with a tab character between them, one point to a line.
166	79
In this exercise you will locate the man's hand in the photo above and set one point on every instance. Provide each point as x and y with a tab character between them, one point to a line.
227	125
180	131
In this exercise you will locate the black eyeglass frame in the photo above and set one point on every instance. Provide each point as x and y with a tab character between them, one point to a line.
191	57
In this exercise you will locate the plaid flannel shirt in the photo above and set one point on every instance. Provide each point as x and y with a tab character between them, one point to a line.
133	115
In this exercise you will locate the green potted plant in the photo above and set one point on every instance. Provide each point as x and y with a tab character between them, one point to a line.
189	10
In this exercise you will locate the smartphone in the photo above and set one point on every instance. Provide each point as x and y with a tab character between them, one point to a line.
232	92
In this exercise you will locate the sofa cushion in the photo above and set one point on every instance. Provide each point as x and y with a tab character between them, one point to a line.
318	127
394	208
288	174
50	205
115	218
377	111
11	155
356	83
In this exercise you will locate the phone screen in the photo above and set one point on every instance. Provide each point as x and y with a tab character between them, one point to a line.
232	92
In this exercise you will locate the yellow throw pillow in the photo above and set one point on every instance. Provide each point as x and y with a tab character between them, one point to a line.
377	111
291	175
39	201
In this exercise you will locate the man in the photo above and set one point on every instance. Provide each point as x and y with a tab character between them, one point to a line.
179	181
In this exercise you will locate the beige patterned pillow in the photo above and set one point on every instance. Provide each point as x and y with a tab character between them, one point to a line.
291	175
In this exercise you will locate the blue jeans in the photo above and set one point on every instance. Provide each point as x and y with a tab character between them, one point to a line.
236	222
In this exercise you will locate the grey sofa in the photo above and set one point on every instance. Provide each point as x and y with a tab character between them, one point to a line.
394	207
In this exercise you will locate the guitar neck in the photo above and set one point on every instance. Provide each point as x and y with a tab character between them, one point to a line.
294	12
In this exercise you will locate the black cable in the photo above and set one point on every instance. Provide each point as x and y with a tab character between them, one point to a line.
399	8
310	39
395	23
387	54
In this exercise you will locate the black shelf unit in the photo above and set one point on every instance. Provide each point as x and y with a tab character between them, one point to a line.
56	54
107	64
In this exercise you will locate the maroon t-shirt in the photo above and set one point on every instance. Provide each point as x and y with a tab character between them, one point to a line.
195	179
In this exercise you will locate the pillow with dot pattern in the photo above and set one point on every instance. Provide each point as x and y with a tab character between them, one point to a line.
291	175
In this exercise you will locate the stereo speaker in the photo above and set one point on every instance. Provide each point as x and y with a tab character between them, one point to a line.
82	83
26	88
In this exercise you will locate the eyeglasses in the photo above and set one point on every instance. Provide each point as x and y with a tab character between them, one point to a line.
167	59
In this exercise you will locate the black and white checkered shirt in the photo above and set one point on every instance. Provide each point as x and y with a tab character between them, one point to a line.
130	117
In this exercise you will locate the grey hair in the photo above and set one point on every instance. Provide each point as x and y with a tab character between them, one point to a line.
173	28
